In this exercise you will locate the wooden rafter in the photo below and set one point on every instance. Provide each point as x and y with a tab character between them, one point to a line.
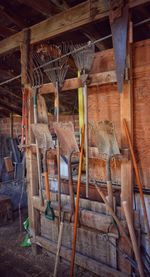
68	20
42	6
10	106
6	91
6	73
4	112
13	17
5	31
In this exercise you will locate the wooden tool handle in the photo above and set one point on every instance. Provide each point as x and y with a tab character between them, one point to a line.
121	229
47	185
133	237
110	194
138	180
58	248
71	192
77	205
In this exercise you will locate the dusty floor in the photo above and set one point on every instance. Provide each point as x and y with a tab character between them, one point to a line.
16	261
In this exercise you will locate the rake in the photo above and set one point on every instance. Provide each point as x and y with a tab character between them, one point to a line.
83	60
56	71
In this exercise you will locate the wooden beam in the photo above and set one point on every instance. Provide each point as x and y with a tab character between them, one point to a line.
4	112
126	111
31	161
75	83
12	16
10	106
6	73
6	92
42	6
68	20
5	31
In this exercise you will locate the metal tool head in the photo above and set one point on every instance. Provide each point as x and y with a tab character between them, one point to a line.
119	25
83	58
57	66
43	136
106	139
37	76
66	137
49	211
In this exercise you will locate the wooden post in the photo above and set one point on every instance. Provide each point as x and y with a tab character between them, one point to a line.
31	162
126	111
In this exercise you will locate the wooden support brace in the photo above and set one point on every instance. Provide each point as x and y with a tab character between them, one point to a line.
126	111
32	176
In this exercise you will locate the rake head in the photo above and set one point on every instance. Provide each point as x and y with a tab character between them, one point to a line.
83	58
37	72
57	67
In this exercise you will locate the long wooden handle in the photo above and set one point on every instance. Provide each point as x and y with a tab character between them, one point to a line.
138	180
121	228
133	237
58	248
71	192
77	206
86	137
47	185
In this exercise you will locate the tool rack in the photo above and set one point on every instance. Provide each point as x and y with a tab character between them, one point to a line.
102	89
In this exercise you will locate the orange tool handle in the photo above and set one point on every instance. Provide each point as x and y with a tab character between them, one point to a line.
137	177
47	185
77	204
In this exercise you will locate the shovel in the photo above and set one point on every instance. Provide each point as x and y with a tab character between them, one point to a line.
108	147
68	146
44	139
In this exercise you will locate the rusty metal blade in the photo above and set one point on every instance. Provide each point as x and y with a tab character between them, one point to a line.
119	36
66	137
106	139
43	136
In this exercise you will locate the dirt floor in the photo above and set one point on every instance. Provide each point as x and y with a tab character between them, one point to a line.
17	261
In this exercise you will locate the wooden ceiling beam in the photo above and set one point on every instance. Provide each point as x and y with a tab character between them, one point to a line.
9	106
68	20
6	92
6	32
6	73
4	112
12	16
42	6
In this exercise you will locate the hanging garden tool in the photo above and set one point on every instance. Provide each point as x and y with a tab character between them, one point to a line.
108	147
24	133
133	237
138	179
37	81
56	71
77	204
118	18
83	60
68	146
44	139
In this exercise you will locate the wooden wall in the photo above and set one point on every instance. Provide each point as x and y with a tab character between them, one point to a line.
104	103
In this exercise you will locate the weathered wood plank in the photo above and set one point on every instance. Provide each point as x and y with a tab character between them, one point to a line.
90	264
66	21
75	83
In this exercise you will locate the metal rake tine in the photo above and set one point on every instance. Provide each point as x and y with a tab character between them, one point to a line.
35	74
37	70
39	63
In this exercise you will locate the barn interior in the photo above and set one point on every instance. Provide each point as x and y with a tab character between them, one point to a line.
74	138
